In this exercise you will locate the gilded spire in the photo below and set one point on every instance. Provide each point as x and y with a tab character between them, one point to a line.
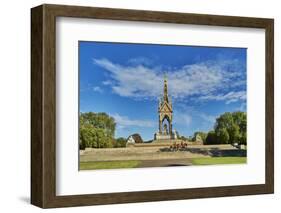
165	88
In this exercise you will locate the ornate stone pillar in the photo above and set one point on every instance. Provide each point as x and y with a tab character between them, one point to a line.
160	125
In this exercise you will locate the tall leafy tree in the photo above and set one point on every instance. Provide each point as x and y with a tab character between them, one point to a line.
229	128
211	138
222	136
96	130
234	133
235	124
240	118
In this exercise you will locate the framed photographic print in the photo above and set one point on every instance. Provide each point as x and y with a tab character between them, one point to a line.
136	106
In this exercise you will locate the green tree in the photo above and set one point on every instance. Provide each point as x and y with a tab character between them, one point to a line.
224	121
100	121
240	118
234	133
96	130
120	142
243	138
222	136
211	138
87	136
235	124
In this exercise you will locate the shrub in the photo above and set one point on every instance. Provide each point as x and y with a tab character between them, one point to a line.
211	138
120	142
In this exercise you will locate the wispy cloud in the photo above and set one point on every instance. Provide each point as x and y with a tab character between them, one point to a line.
124	121
140	61
204	81
229	97
90	87
97	89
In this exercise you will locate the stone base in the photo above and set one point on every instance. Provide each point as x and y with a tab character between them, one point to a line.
159	136
163	137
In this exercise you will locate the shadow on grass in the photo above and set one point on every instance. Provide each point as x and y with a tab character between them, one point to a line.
213	152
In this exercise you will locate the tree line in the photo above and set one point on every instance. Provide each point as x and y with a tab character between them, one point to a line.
229	128
97	131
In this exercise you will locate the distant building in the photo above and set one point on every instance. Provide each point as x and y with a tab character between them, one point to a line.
130	140
135	138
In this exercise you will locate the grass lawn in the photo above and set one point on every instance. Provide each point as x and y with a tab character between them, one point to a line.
108	164
92	165
219	160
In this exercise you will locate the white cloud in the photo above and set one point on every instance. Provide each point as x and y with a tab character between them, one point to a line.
107	82
97	89
90	87
137	82
229	97
124	121
203	80
140	60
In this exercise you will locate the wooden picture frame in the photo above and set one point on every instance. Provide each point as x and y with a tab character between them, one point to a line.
43	105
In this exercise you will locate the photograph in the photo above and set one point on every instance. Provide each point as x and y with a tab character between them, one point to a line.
158	105
170	105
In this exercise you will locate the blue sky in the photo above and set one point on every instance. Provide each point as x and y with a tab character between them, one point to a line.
126	81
